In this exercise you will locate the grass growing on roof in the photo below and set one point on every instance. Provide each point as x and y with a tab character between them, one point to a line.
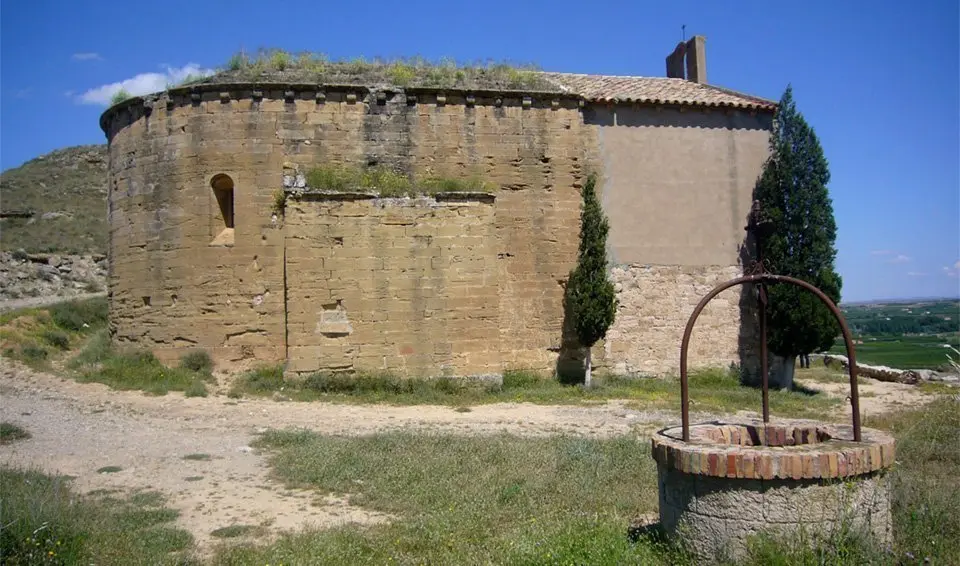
388	183
277	65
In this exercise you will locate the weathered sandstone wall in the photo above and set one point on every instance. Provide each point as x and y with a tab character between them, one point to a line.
178	280
406	285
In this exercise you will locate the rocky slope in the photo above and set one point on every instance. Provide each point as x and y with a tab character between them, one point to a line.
56	203
26	276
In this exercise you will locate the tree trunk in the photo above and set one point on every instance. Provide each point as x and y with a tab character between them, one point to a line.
781	371
586	376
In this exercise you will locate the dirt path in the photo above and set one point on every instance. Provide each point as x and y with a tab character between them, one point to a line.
32	302
79	428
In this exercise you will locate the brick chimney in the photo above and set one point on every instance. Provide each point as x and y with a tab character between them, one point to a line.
694	52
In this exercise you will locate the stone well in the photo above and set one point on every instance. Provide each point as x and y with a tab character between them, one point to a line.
732	480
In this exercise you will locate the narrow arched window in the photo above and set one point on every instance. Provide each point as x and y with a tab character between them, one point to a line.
223	189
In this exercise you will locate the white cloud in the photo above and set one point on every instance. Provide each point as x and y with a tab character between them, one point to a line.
23	92
899	258
144	83
952	271
882	252
916	273
86	57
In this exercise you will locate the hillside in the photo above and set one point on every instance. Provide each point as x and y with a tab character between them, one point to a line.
67	192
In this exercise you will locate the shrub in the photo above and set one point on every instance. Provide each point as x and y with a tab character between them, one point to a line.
197	388
56	338
263	379
33	353
519	379
198	361
77	315
236	62
10	432
280	60
96	350
119	97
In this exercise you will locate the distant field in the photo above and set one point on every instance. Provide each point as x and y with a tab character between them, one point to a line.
904	335
904	352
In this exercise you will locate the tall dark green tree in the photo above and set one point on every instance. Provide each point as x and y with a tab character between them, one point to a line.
591	299
793	194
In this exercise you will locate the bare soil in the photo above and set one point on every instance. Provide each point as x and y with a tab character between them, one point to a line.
80	428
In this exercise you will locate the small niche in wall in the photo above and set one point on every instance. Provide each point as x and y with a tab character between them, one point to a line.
222	186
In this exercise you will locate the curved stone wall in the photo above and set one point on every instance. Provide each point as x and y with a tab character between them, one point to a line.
197	247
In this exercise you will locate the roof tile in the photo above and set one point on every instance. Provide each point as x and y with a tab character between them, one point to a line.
657	90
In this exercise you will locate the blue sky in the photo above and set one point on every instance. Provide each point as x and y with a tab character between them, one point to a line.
878	80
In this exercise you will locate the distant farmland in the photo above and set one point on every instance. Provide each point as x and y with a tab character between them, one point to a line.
908	335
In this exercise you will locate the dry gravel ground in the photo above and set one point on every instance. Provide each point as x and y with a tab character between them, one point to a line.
80	428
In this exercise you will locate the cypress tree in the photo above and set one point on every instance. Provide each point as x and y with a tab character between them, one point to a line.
591	299
793	195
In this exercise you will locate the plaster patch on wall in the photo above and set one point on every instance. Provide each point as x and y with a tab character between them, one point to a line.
333	320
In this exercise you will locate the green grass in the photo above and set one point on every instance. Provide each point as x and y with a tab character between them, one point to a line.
140	370
505	499
36	336
234	531
468	499
904	352
119	97
710	391
268	65
71	182
388	183
198	457
109	470
45	523
10	433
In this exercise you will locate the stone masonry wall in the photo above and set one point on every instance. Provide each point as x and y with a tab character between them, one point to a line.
717	516
409	285
177	280
655	303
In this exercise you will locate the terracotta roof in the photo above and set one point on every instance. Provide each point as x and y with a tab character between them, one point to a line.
655	90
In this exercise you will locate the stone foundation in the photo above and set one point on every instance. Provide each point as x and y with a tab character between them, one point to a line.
655	302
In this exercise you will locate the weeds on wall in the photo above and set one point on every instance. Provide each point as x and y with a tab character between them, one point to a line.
276	64
120	96
389	183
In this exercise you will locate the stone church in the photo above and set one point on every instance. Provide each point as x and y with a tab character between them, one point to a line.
219	241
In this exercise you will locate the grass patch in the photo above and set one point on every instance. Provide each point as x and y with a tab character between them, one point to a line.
109	470
10	433
505	499
193	478
926	479
45	523
198	457
139	370
36	336
71	180
469	499
905	351
388	183
198	361
234	531
710	391
278	65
